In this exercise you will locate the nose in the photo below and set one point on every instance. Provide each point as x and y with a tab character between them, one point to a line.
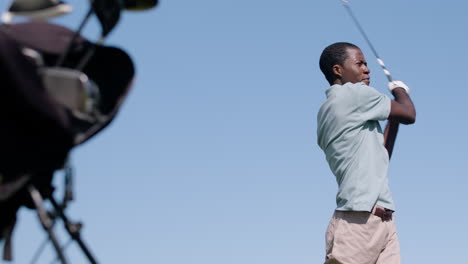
367	70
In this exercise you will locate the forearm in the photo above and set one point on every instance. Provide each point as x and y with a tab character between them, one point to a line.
406	112
390	134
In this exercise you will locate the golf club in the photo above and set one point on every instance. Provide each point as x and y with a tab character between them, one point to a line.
356	22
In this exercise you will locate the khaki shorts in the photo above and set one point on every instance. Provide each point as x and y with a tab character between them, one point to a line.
361	238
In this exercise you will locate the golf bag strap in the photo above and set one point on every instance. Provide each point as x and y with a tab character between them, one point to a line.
8	231
7	190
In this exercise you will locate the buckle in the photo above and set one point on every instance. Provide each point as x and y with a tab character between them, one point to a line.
384	214
388	215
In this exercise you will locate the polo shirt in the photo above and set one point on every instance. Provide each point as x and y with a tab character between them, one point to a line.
349	133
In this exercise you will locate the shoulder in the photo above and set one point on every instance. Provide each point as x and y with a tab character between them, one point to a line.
355	90
364	93
361	88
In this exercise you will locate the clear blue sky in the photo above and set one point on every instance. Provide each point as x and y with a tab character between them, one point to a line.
213	157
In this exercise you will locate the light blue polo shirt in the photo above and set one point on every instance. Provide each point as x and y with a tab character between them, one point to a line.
350	135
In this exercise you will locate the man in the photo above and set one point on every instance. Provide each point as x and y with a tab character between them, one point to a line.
362	229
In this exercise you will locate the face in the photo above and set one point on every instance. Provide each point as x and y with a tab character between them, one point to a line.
354	68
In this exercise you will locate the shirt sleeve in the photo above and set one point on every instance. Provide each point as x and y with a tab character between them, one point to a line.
373	105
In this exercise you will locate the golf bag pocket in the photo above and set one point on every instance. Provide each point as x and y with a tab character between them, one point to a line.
72	89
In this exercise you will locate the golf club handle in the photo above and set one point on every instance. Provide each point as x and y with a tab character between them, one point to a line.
139	4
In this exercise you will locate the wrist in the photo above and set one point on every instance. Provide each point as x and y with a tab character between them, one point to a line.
397	90
397	84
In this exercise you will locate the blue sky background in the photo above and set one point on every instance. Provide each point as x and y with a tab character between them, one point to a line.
213	157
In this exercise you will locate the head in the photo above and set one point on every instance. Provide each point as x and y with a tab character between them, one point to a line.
344	62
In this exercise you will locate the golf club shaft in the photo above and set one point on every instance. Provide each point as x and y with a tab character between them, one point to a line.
363	33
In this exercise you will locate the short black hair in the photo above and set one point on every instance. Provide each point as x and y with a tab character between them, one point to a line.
334	54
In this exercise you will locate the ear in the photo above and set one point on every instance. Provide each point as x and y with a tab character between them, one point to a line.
338	70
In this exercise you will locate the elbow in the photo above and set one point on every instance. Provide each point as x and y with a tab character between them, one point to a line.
408	120
403	113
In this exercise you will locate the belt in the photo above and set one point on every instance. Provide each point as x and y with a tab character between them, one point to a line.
385	214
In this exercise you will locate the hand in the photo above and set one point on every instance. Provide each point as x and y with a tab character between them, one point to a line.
398	84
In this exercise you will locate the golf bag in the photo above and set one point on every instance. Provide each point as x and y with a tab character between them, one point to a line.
58	90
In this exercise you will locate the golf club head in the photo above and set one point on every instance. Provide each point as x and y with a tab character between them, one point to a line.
35	9
108	14
137	5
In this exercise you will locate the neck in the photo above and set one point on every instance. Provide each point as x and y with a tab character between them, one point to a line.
338	81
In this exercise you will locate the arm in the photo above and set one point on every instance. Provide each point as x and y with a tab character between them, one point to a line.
401	111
